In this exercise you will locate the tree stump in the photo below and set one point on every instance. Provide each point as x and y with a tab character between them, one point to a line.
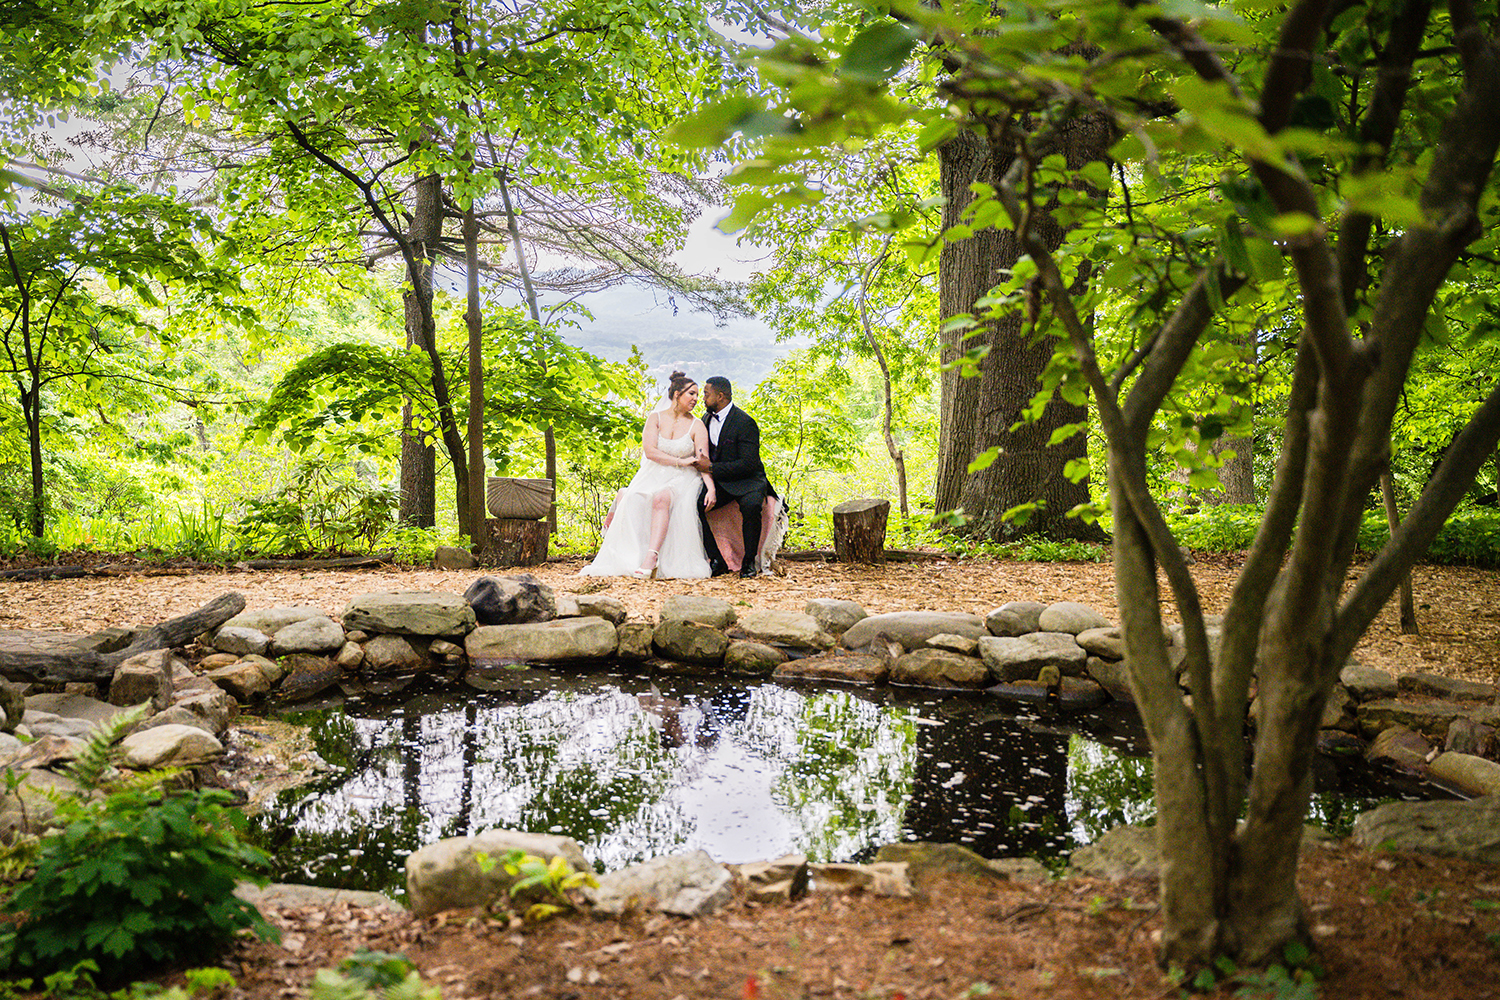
859	531
515	542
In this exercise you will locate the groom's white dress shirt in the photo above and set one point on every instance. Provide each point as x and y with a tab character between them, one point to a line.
716	427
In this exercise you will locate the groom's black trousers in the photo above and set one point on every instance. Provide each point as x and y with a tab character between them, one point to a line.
751	505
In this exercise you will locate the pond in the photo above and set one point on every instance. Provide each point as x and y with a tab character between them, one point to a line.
744	771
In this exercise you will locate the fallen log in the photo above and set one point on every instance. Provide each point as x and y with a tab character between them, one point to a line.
891	555
53	657
339	562
46	573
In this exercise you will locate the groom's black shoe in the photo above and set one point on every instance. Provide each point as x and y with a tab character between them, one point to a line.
717	567
747	572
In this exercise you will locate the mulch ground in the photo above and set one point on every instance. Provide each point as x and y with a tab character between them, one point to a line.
1387	924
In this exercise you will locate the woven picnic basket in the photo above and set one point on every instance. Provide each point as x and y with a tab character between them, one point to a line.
525	499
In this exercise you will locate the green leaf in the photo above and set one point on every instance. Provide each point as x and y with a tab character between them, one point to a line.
984	460
876	53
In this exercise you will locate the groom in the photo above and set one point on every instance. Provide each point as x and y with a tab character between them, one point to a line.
734	462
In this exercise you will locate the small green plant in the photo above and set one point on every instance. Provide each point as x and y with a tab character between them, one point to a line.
555	879
136	880
373	974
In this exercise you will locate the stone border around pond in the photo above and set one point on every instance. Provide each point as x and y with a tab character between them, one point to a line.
1063	656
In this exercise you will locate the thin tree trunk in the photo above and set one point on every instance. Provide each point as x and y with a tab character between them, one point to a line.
419	460
898	460
1393	521
475	320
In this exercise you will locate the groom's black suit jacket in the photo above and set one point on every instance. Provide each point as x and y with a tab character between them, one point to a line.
737	468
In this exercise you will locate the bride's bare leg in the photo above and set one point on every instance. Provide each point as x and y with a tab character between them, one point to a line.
661	513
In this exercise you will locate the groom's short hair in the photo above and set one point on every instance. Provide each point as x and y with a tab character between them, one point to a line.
720	383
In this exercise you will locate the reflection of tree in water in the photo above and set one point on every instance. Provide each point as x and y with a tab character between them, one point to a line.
583	765
990	784
847	771
1107	789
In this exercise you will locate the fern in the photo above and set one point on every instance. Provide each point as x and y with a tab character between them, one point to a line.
97	755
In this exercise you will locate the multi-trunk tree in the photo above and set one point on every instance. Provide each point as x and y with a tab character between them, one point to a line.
1358	147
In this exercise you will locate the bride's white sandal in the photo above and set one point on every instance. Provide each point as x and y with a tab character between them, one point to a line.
642	573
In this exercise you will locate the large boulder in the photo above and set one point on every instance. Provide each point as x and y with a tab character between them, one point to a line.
241	639
243	680
395	654
510	600
410	612
1469	830
1018	658
1070	617
754	658
1367	683
1015	618
835	616
465	871
687	885
690	642
784	628
307	675
146	677
710	611
311	635
562	640
269	621
939	668
170	746
912	629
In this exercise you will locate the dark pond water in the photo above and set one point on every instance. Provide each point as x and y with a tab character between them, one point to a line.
745	772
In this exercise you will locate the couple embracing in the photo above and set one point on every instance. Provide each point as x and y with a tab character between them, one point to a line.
660	524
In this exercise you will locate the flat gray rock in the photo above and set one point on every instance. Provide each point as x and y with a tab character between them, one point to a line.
282	894
1070	617
311	635
561	640
1474	775
269	621
1469	830
410	612
785	628
1020	658
1016	618
611	609
241	639
1367	683
1431	718
169	746
1108	643
839	667
939	668
687	885
1447	688
710	611
912	629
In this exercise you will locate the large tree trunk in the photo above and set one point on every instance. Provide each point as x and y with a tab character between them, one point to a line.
982	412
418	460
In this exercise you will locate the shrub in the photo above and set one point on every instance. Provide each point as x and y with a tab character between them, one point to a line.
137	880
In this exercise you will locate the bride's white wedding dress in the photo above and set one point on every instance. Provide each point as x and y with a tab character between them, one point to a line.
626	541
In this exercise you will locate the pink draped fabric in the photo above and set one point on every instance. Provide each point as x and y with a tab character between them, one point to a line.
725	524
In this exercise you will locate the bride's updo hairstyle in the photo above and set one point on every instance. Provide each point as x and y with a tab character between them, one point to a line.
678	384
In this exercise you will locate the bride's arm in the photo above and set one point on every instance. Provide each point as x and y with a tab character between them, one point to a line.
649	437
700	450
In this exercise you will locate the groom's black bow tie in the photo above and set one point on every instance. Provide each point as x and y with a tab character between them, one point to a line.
714	415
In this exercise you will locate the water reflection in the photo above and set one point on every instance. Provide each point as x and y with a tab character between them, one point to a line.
744	772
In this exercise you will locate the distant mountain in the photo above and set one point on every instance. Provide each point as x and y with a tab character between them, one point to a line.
672	338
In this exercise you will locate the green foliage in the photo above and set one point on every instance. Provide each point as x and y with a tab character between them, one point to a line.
323	506
1297	979
373	975
1471	537
139	879
554	879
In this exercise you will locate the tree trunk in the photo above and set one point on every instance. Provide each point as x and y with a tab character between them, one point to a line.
982	412
419	460
475	322
36	508
515	542
859	530
1393	521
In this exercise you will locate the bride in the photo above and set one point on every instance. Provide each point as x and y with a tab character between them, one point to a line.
653	528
